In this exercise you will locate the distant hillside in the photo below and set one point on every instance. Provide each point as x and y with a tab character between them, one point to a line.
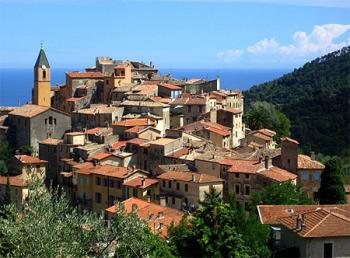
316	98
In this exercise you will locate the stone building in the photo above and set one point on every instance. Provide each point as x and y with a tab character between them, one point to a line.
30	124
185	190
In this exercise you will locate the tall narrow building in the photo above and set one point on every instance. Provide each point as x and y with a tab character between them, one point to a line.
41	94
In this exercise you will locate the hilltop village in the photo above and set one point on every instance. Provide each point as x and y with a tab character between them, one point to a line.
121	132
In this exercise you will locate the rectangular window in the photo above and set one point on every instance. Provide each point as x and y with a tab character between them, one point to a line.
328	250
247	176
317	175
247	189
305	176
237	175
134	192
169	184
177	186
111	200
237	189
98	197
186	187
111	183
189	109
98	181
173	201
118	184
164	183
105	182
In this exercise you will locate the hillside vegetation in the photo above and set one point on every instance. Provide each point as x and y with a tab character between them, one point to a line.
316	99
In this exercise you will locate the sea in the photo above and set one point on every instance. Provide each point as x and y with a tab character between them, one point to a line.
16	84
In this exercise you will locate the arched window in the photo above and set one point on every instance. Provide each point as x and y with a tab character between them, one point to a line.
44	74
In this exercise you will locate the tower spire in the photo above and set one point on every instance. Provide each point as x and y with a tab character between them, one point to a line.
41	44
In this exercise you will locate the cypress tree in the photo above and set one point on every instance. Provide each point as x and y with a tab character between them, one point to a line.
332	184
7	197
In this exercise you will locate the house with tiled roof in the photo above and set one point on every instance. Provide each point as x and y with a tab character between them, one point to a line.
309	230
30	124
143	188
307	168
158	218
26	165
19	189
245	177
260	139
100	186
167	90
185	190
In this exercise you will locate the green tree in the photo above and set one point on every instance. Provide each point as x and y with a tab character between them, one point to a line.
5	154
49	227
7	196
332	184
3	168
281	193
265	115
25	150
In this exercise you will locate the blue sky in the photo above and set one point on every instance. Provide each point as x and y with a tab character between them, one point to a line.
173	34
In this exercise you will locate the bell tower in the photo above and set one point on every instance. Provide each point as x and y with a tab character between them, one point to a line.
41	94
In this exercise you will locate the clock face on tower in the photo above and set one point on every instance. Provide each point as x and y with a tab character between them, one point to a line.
44	67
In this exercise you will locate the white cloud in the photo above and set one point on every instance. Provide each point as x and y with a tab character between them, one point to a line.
229	55
321	40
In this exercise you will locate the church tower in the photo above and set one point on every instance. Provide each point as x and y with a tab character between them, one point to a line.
41	94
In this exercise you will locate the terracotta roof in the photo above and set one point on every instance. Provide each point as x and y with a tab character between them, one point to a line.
218	131
267	132
85	75
321	222
161	100
289	140
170	86
110	170
135	103
278	174
145	88
262	136
118	145
179	153
83	168
141	183
14	181
134	122
152	213
98	109
75	133
269	214
94	130
51	141
135	129
29	110
305	162
233	110
243	166
163	141
101	156
189	176
137	141
74	99
25	159
189	101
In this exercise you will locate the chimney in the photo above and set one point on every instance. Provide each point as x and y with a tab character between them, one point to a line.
193	177
300	223
268	162
148	198
142	181
312	155
213	115
134	207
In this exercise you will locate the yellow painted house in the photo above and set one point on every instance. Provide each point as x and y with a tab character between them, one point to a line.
142	188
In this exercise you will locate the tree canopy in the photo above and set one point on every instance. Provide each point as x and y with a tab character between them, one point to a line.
315	98
265	115
332	184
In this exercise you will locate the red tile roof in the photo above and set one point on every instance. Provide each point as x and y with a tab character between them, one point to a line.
14	181
269	214
137	141
25	159
75	133
262	136
101	156
134	122
110	170
267	132
189	176
135	129
278	174
74	99
118	145
94	130
305	162
152	213
141	183
29	110
85	75
218	131
170	86
321	222
233	110
243	166
289	140
178	153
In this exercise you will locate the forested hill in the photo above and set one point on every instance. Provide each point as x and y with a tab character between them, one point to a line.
316	98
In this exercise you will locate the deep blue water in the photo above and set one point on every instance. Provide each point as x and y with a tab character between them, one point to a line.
16	84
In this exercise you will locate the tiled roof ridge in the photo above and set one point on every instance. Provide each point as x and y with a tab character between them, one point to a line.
317	224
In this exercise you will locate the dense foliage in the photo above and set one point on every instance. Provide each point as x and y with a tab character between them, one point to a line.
281	193
265	115
220	229
332	184
48	227
315	98
5	154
